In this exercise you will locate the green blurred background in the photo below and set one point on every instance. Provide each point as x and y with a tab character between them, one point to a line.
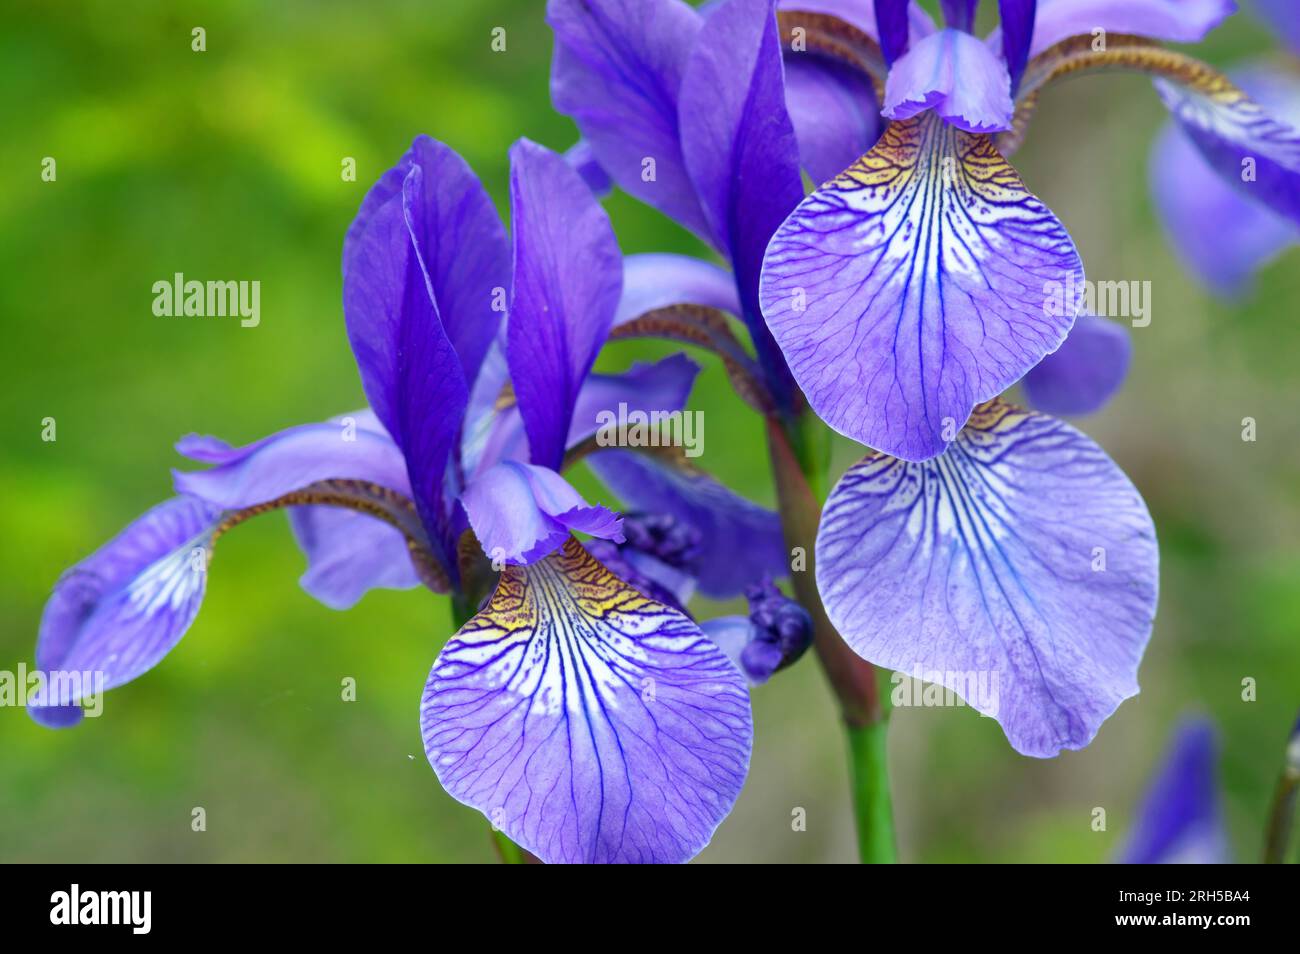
226	164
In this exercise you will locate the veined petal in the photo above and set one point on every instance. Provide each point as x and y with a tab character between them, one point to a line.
617	70
661	387
1180	820
119	611
741	150
1085	372
589	723
1248	145
958	77
1021	566
568	278
834	110
1176	21
922	281
521	512
740	541
348	552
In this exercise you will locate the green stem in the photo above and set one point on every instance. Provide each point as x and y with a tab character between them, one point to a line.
869	778
852	678
1282	816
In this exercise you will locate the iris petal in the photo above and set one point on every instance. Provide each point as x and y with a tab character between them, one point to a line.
1178	21
587	722
1022	562
834	110
958	77
123	608
1180	820
917	284
656	280
568	278
521	512
1085	372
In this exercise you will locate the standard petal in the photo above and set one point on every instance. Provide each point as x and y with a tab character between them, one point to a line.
587	722
834	110
741	150
1177	21
568	278
922	281
658	279
120	610
1180	820
1017	28
1085	372
1020	568
862	15
617	70
740	541
958	77
412	374
521	512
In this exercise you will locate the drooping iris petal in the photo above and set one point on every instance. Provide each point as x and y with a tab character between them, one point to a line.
522	512
617	71
1222	236
1021	566
834	110
741	151
923	280
1245	143
662	387
587	722
348	552
568	278
120	610
1180	820
412	375
958	77
740	541
292	459
656	280
1017	26
1085	372
1177	21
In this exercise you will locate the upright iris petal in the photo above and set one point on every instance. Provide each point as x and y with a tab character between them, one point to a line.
124	607
892	27
1022	562
922	281
1180	820
741	151
1017	18
587	722
567	282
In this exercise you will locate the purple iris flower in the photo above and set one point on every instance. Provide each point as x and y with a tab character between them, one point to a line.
1180	820
587	721
909	291
1222	227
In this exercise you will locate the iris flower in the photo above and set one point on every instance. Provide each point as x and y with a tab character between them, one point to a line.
587	720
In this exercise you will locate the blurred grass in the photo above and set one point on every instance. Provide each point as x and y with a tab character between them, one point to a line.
225	164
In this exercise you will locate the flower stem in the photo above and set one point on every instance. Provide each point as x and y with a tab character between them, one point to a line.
1282	816
852	678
